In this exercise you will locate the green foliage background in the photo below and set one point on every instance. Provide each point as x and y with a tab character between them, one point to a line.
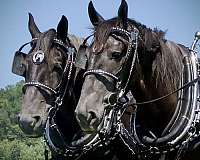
14	145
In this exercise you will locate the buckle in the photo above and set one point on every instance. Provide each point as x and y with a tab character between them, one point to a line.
70	51
134	35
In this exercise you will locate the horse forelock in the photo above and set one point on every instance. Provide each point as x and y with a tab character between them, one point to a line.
166	63
102	32
45	39
75	41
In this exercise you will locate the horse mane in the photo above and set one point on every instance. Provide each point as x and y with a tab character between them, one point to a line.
165	61
76	41
102	31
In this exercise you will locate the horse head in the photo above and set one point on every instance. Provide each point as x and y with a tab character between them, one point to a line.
105	55
124	55
42	69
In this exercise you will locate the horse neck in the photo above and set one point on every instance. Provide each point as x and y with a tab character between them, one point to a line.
158	76
72	95
75	41
66	117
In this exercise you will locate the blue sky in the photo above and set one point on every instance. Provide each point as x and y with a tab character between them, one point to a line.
180	18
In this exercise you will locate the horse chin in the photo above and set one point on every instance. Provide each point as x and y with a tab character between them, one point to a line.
35	132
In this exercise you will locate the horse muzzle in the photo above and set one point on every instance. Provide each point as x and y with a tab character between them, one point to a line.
31	125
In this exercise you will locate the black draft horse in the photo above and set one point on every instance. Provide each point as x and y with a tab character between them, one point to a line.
127	57
51	91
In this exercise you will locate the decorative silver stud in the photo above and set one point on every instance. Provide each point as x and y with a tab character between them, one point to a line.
38	57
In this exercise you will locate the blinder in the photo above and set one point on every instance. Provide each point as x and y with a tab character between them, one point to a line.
19	61
18	66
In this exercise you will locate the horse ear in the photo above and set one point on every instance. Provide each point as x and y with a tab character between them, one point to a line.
62	29
94	16
33	29
123	14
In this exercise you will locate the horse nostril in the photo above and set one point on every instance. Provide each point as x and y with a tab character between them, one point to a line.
36	118
91	116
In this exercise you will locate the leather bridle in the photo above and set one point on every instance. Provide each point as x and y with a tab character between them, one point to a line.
57	92
132	43
122	97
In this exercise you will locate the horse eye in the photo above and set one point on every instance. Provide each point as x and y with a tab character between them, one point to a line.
116	55
58	48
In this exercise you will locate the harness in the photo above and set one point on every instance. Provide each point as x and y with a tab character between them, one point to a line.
57	144
184	127
183	130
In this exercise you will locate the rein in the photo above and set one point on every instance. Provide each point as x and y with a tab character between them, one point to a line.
188	84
